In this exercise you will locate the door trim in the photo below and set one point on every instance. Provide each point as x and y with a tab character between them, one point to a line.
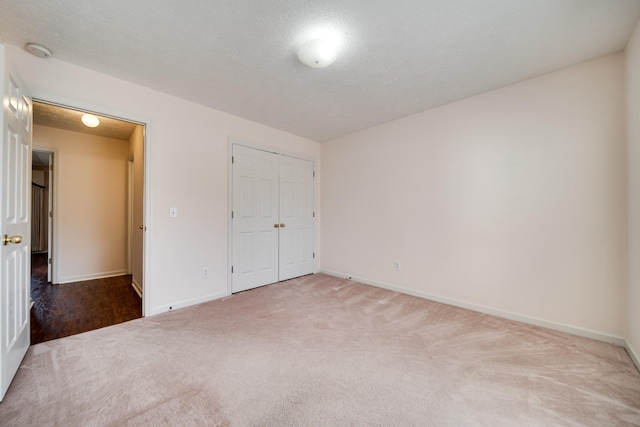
263	147
52	244
146	123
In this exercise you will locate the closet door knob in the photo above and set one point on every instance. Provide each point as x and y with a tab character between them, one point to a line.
282	225
276	225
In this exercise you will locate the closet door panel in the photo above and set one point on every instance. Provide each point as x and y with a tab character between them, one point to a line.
255	212
296	213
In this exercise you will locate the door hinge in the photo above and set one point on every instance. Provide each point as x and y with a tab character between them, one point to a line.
232	269
233	159
231	214
314	254
314	214
314	174
49	260
50	214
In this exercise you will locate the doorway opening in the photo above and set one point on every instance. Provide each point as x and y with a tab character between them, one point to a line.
41	211
90	230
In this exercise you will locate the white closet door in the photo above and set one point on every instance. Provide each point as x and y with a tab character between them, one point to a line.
255	212
273	218
296	217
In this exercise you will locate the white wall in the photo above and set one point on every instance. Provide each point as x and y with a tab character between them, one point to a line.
187	168
90	203
513	200
633	141
37	177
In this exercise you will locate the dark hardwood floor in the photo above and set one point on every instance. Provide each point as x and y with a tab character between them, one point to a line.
72	308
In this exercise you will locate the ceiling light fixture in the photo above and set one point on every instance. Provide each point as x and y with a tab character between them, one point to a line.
90	120
38	50
317	53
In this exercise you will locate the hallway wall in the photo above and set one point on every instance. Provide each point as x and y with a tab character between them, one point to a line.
90	204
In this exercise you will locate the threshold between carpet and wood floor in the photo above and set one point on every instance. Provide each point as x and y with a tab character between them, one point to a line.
72	308
324	351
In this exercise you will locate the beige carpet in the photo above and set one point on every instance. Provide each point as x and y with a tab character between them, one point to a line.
321	351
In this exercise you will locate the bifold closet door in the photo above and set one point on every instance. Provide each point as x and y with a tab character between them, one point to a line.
255	211
296	213
273	218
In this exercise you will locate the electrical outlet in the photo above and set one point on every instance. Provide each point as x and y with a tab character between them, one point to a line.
396	265
205	272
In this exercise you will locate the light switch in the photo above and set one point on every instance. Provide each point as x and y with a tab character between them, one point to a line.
173	212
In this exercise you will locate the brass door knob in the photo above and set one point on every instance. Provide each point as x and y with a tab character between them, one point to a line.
13	239
142	227
276	225
282	225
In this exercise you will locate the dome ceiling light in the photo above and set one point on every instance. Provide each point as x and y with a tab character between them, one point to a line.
317	53
90	120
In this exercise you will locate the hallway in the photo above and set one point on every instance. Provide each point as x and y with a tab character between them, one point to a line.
72	308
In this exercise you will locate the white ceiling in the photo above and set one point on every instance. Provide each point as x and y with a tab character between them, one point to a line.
398	57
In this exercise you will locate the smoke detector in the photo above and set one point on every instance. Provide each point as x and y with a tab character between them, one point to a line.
38	50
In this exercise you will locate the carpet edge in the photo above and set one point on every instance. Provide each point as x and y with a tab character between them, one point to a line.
573	330
186	303
632	354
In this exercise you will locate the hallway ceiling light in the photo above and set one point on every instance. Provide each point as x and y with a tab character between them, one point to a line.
90	120
317	53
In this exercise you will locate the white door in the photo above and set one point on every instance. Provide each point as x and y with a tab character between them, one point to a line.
15	262
255	214
296	217
273	218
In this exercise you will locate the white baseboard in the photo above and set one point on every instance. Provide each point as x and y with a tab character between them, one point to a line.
634	355
136	287
187	303
582	332
94	276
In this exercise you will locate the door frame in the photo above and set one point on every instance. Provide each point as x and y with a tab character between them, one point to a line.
52	249
271	149
130	227
147	204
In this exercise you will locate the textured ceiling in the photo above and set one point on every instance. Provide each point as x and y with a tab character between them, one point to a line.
398	57
64	118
